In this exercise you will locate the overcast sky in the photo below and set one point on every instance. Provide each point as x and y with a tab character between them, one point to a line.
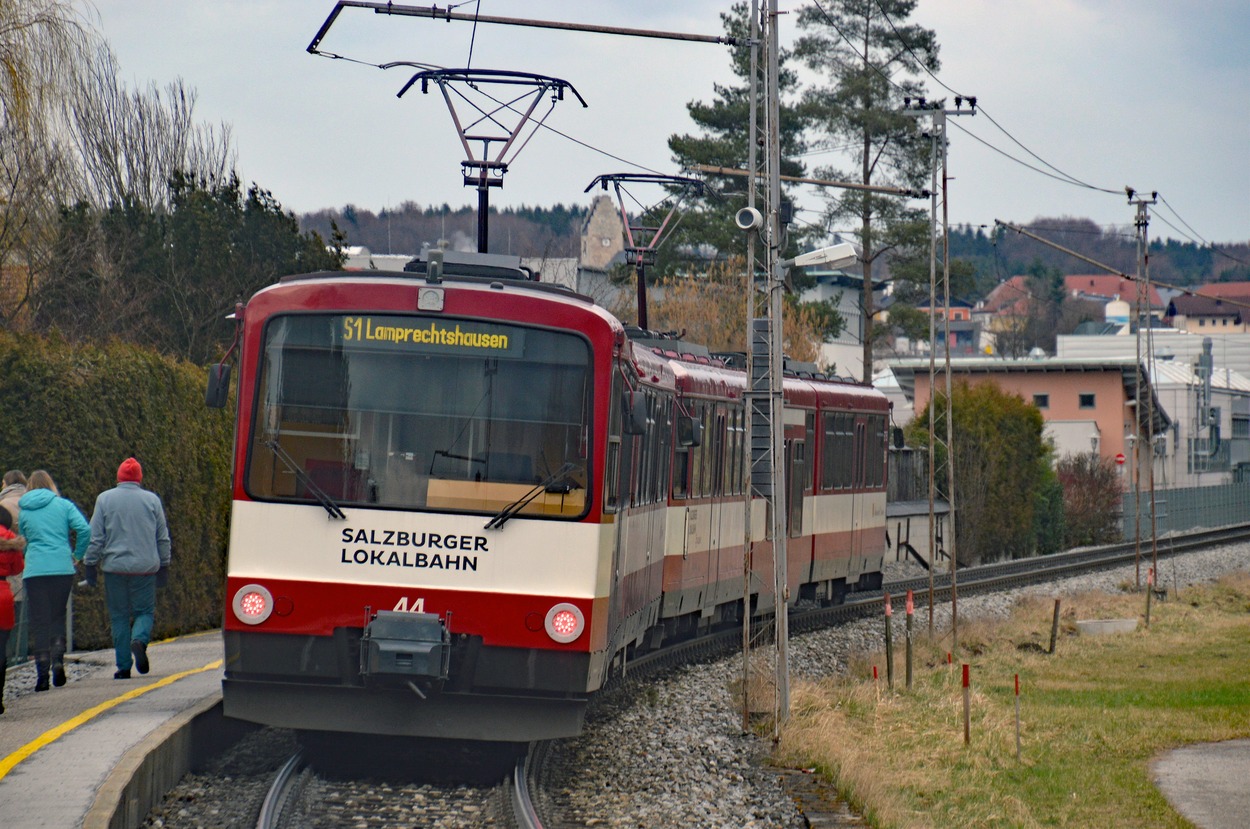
1153	94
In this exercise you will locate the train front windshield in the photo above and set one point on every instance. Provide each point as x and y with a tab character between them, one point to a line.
420	412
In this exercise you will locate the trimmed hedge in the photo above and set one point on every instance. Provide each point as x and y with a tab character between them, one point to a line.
80	410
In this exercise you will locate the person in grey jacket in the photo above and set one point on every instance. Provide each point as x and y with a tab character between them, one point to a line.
130	544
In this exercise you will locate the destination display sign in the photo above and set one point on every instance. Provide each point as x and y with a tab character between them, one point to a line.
422	334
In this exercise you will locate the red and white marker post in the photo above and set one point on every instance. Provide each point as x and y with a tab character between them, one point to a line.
889	643
911	609
1017	717
967	708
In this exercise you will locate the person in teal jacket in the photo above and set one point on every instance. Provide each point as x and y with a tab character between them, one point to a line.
56	535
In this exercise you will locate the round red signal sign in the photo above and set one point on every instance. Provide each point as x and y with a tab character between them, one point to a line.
1119	458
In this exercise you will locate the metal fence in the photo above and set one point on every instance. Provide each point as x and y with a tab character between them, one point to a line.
1185	508
17	649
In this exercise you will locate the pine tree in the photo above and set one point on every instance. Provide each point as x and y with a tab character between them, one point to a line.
724	124
870	57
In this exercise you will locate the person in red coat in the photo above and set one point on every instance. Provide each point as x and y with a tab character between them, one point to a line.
11	563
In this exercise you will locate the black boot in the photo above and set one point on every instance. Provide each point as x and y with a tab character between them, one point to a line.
41	666
58	661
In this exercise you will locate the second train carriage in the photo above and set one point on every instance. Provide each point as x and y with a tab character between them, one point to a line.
460	499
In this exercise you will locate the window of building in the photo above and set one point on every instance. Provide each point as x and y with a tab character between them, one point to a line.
1041	401
1085	401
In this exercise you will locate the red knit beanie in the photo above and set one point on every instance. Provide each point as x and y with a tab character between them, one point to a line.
130	471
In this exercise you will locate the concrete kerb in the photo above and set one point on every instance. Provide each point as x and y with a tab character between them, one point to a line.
150	769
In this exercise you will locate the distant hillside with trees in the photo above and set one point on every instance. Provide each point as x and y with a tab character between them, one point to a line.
998	254
546	232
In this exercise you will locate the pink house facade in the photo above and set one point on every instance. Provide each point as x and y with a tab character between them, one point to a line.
1088	405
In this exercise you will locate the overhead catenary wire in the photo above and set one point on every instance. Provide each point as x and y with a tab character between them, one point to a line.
1180	289
314	49
1214	248
447	13
1058	174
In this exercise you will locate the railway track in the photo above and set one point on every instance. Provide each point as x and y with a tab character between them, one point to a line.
1040	569
969	581
300	797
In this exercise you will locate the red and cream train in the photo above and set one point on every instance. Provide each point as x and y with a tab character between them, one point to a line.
460	499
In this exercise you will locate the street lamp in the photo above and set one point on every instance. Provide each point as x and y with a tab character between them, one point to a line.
835	256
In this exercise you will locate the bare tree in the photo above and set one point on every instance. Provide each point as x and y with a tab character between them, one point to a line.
711	310
129	143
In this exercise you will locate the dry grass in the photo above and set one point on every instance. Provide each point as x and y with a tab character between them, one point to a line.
1092	716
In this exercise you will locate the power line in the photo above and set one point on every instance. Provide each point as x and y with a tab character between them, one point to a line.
1214	248
1058	174
1182	221
417	65
1070	178
1000	127
1062	177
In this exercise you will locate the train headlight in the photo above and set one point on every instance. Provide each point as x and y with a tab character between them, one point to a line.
564	622
252	604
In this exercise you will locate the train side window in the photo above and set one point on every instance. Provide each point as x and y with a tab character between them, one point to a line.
647	459
846	449
719	484
877	450
681	472
709	455
697	455
612	474
663	446
612	468
826	452
735	450
809	429
860	455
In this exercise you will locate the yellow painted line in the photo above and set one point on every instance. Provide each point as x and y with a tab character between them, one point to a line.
53	734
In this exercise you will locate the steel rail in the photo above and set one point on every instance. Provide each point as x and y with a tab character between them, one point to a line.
527	769
279	792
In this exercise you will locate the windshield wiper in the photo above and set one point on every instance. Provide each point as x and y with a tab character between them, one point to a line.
522	502
304	478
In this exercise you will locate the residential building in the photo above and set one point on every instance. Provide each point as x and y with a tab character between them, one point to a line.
1088	405
1010	304
1199	314
1233	291
1201	426
956	327
844	353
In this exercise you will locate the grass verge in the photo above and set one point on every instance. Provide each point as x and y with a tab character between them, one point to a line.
1092	715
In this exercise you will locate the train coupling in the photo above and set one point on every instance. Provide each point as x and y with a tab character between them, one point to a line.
405	647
